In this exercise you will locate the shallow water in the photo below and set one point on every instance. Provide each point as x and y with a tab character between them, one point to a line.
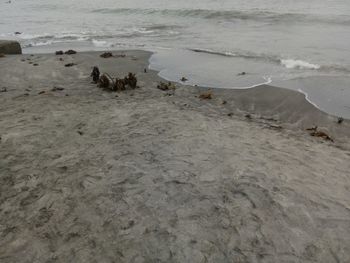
210	42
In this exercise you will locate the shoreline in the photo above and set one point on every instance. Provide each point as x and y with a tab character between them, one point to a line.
308	85
178	175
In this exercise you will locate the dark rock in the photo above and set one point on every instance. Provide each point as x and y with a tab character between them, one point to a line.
18	33
340	120
241	74
10	47
60	52
4	89
183	79
70	52
106	55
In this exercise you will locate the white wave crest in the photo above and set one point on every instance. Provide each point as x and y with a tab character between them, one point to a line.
298	64
100	43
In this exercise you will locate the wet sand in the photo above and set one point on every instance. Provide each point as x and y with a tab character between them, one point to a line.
145	175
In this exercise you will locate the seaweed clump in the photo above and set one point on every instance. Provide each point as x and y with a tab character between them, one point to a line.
106	55
107	82
206	95
316	133
95	74
166	86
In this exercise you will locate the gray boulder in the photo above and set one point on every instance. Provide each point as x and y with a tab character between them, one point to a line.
10	47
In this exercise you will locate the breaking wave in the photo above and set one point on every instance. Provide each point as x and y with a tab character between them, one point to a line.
285	62
264	16
298	64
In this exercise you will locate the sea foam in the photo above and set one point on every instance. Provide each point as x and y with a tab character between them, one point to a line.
298	64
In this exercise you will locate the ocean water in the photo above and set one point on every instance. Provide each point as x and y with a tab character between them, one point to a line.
296	44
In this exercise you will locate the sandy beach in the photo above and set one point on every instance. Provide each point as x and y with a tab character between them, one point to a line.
145	175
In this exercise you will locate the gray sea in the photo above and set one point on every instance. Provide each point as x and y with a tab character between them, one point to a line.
296	44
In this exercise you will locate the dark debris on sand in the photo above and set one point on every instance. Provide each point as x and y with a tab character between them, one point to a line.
70	52
166	86
313	131
206	95
95	74
107	82
106	55
70	65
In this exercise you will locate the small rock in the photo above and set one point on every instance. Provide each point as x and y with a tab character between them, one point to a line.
70	52
42	92
145	70
340	120
241	74
35	64
2	55
60	52
183	79
3	89
80	132
224	102
230	114
18	33
248	116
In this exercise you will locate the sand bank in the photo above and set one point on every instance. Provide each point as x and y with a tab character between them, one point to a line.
147	175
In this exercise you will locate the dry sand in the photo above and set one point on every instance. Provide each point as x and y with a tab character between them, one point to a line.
147	176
